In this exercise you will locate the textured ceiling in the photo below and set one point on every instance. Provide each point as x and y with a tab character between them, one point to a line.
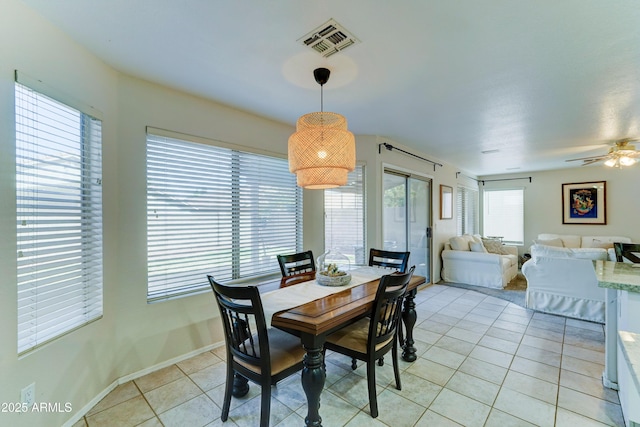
532	82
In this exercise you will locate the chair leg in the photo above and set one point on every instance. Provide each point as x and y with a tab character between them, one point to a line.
381	361
371	385
227	393
354	364
396	371
400	333
265	406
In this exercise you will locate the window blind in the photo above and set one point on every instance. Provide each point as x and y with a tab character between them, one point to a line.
215	210
467	210
344	217
503	214
59	217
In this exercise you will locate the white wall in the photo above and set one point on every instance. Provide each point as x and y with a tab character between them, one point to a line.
543	201
81	364
134	336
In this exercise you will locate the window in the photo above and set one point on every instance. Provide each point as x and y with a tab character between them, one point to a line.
503	214
59	218
467	210
344	223
214	210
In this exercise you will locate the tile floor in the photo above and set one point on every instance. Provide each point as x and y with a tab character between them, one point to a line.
482	362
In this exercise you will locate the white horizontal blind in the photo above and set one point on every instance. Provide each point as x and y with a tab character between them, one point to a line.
212	210
59	218
503	214
467	210
344	217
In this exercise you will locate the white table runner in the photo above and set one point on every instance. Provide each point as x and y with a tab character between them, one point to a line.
293	296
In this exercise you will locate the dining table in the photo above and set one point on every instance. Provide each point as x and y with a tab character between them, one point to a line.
326	310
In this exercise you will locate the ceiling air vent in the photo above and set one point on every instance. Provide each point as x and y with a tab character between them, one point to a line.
328	39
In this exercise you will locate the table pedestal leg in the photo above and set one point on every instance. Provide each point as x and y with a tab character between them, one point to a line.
313	376
409	317
240	386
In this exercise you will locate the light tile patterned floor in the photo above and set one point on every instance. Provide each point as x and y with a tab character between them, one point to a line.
482	362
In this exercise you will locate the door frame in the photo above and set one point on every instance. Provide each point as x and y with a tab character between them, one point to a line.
408	173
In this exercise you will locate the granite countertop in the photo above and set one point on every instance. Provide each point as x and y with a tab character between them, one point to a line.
617	275
630	343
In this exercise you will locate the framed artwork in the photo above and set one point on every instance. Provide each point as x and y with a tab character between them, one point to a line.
446	202
584	203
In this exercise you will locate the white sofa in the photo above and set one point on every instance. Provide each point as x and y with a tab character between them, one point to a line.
561	278
471	263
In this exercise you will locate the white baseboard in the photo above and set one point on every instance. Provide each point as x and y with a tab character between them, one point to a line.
93	402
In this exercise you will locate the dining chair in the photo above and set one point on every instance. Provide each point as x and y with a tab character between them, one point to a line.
372	337
297	278
264	356
388	259
393	261
628	251
296	263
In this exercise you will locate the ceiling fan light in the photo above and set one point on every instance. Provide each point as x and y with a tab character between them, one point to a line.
611	162
627	161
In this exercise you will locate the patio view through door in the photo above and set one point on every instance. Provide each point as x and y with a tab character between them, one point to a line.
406	218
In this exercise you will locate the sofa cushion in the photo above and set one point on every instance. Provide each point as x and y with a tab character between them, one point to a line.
568	240
551	242
599	241
477	247
459	243
603	245
575	253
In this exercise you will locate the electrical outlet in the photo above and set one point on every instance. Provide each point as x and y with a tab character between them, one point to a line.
28	394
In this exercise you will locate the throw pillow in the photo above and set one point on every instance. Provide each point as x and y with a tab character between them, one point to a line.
551	242
493	246
459	244
477	247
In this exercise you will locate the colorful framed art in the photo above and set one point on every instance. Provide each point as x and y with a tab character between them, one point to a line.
584	203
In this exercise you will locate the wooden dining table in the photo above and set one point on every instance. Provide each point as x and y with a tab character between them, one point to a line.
314	320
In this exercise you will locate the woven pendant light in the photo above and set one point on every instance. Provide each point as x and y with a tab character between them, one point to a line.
321	151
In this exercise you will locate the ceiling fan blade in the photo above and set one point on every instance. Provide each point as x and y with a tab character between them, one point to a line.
587	158
588	162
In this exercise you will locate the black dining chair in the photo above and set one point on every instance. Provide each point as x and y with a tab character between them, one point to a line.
296	263
628	251
389	259
264	356
372	337
297	278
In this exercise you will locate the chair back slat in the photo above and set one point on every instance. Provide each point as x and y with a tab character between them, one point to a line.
294	279
389	259
388	307
296	263
243	321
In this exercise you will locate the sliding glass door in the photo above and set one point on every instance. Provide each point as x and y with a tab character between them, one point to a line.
407	218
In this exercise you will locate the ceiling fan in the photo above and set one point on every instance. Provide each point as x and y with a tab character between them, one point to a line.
623	153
